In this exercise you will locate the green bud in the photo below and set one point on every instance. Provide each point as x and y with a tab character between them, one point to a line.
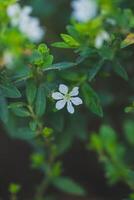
14	188
47	132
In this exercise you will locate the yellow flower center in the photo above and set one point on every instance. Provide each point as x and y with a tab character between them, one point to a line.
67	97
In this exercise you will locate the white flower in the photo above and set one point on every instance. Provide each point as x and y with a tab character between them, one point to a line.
27	24
31	28
84	10
101	38
65	97
14	11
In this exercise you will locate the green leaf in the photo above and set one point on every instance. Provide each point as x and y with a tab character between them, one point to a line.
21	74
20	111
33	125
65	142
74	33
70	40
57	122
129	131
108	135
24	133
43	49
41	100
119	70
62	65
130	108
92	100
3	109
106	53
131	196
48	60
110	143
67	185
94	70
56	169
66	65
36	58
31	90
60	45
41	57
96	143
10	91
128	40
16	105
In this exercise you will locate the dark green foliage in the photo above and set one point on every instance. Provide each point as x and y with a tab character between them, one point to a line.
112	155
3	109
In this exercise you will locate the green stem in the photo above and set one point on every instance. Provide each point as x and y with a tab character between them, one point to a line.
35	118
42	189
47	177
13	197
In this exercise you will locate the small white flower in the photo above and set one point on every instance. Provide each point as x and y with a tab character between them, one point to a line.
84	10
64	97
101	38
27	24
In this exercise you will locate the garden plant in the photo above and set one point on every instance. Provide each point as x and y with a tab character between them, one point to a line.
66	81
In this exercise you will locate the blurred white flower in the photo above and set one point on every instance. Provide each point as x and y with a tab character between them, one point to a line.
26	11
65	97
84	10
8	59
14	12
31	28
27	24
101	38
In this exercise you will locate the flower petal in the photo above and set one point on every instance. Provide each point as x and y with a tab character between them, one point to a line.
63	89
60	104
70	108
75	91
76	101
57	95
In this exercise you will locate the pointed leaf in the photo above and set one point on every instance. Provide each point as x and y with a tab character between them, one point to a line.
61	45
24	133
70	40
41	100
31	90
128	40
92	100
67	185
94	70
10	91
119	70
